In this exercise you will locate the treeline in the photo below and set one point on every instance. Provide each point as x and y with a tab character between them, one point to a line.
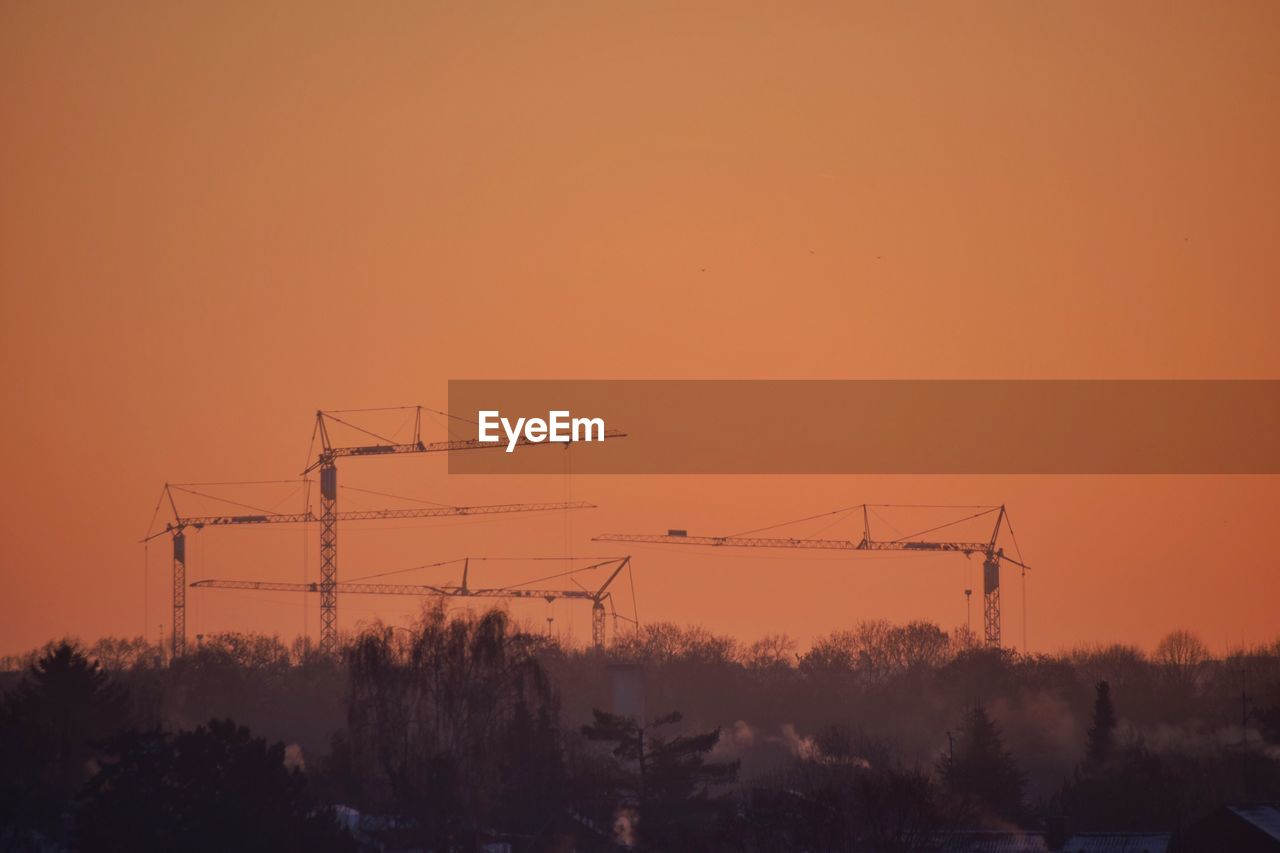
464	730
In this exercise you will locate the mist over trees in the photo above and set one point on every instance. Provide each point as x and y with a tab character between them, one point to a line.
462	730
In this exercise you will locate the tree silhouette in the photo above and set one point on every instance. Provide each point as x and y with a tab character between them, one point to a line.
983	771
774	650
532	791
879	650
1137	789
666	779
48	726
1269	723
453	725
1181	653
846	792
1102	734
452	731
213	789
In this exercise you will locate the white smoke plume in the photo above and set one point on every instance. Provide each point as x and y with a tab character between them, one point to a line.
625	822
293	757
806	748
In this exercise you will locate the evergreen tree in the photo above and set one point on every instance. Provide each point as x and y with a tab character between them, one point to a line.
48	727
666	779
1102	734
212	789
982	770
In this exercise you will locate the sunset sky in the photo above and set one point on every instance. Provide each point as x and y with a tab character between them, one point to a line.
216	219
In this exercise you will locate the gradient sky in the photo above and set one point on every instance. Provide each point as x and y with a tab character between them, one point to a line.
215	220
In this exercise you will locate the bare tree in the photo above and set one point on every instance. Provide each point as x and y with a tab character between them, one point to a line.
768	651
660	642
878	649
442	719
1119	665
918	644
1181	653
117	654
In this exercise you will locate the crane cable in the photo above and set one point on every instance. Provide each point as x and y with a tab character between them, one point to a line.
146	585
558	574
635	607
410	569
311	445
449	415
1018	551
146	567
799	520
306	563
367	410
399	497
155	514
494	560
298	486
225	500
948	524
237	483
330	416
985	510
568	498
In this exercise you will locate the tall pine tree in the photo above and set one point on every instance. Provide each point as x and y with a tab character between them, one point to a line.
1102	733
981	768
667	779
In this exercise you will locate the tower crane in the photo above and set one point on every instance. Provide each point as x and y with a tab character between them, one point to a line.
177	528
326	462
598	597
992	554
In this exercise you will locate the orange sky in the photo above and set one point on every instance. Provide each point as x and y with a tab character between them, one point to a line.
214	221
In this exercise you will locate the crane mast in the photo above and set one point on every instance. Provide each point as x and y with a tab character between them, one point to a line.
992	554
177	532
326	462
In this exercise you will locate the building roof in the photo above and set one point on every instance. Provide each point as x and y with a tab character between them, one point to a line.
990	841
1117	842
1265	818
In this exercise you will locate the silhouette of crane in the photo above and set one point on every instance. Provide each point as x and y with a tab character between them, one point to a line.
992	554
177	528
598	597
326	462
